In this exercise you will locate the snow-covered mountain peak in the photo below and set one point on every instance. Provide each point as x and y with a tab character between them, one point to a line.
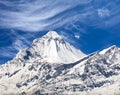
51	48
53	34
48	37
110	49
95	74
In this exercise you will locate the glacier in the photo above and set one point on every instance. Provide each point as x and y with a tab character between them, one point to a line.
51	66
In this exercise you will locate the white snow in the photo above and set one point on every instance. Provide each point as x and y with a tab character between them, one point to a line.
105	50
45	66
53	49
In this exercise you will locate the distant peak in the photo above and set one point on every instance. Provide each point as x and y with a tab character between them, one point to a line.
53	34
111	48
53	49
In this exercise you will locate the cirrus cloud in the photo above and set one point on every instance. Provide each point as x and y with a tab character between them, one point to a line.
35	15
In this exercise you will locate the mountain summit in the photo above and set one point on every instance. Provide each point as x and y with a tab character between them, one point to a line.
53	34
53	49
51	66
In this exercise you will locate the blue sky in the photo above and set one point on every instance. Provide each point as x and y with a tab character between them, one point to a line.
89	25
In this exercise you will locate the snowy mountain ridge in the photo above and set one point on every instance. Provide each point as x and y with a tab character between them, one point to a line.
51	66
53	49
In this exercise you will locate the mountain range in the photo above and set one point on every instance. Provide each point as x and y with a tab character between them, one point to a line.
52	66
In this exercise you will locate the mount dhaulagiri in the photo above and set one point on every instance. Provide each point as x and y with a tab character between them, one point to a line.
51	66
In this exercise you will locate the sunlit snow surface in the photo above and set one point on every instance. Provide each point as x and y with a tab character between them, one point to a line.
51	66
53	49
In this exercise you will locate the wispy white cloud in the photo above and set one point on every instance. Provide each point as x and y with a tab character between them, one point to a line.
18	45
20	41
103	13
36	15
77	36
67	37
7	52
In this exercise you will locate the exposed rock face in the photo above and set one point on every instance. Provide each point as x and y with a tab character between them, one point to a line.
51	66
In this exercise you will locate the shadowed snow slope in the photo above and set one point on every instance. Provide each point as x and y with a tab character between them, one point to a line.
52	66
53	49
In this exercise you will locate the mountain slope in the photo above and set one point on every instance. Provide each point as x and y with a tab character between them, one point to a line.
51	48
96	74
36	63
52	66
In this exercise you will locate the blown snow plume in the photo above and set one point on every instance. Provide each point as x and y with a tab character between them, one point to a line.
51	66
